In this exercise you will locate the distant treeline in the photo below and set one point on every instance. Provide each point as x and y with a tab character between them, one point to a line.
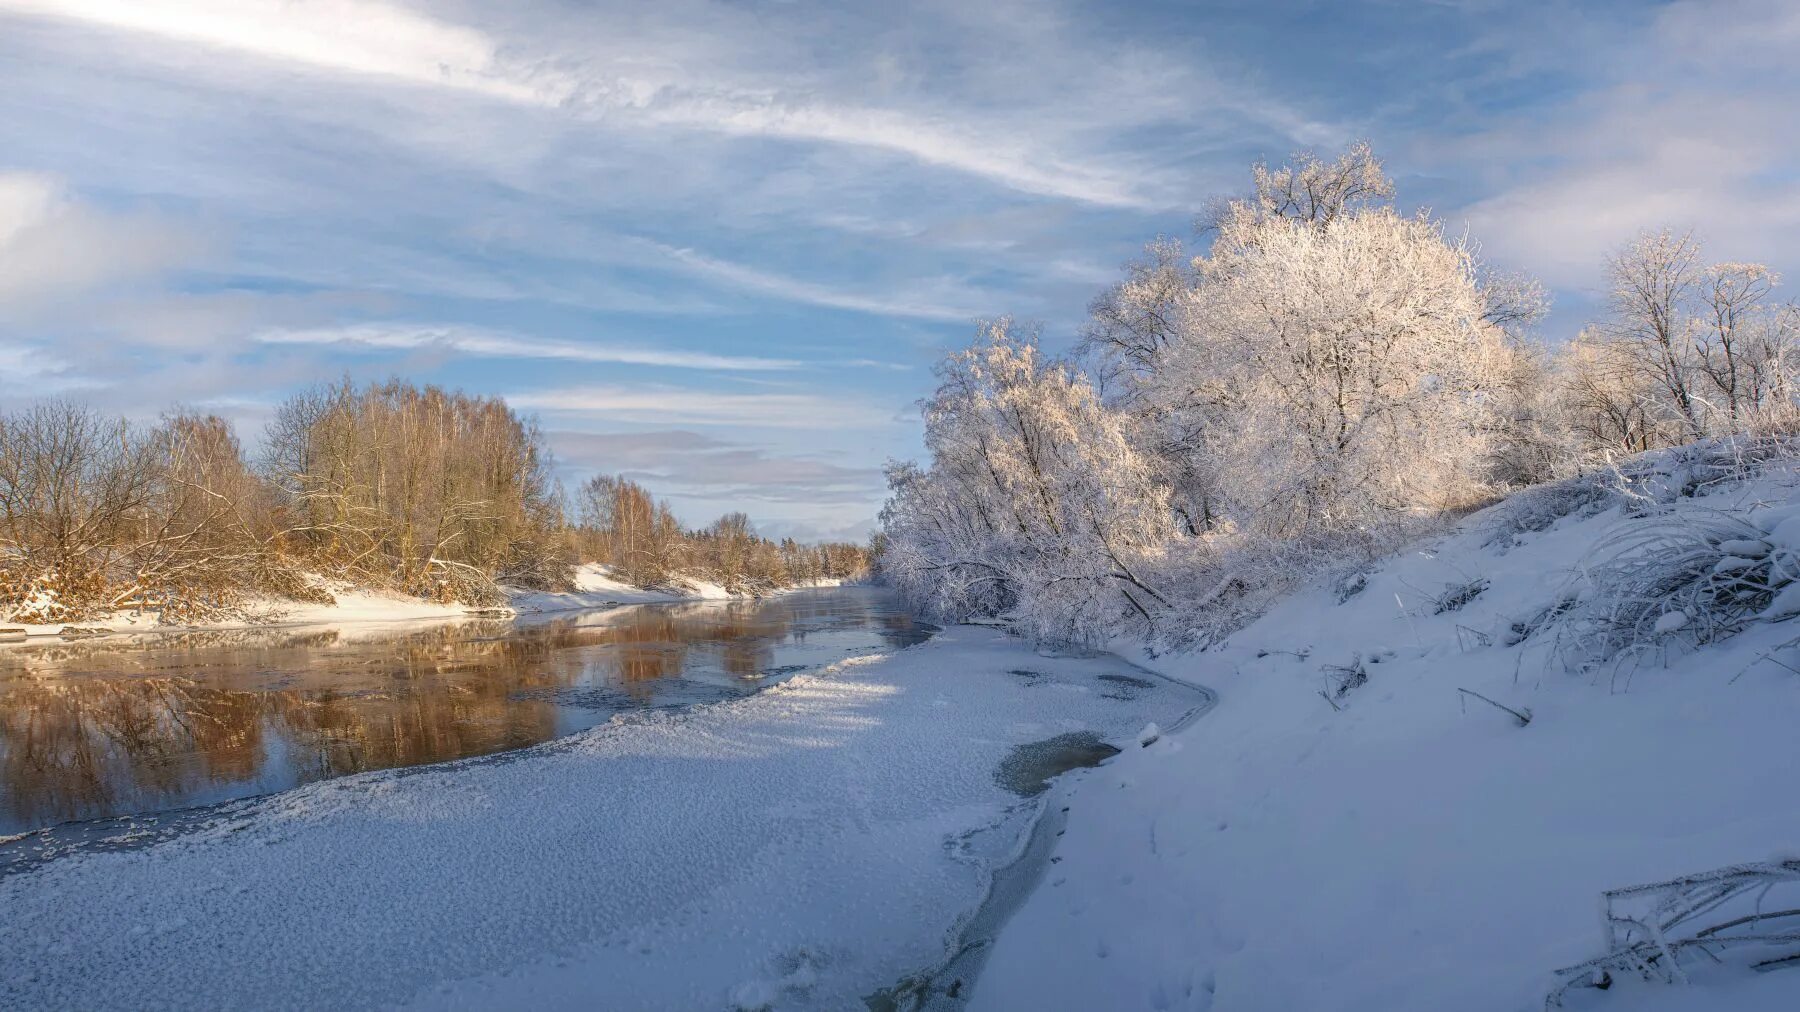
435	493
618	522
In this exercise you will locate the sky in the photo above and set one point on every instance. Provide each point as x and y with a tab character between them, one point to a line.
717	246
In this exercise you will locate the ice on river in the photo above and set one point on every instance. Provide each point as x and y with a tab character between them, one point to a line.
802	847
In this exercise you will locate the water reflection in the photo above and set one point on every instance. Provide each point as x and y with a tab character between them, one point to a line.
142	724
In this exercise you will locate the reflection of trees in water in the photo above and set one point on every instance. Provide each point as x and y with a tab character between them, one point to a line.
80	746
84	733
99	727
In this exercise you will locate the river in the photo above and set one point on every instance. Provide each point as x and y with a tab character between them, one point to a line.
136	725
792	803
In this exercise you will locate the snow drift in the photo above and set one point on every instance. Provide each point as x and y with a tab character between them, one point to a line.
1420	782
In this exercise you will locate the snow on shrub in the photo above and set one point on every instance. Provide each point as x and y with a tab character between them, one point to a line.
48	596
1218	586
1660	478
1456	595
1680	579
1653	930
1538	508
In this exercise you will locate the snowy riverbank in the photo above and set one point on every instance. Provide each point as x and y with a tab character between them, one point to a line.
594	587
1405	846
800	848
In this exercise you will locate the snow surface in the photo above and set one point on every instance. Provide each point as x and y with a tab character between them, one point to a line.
801	848
1418	850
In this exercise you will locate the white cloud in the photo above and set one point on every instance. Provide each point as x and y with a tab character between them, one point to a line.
919	306
1003	160
661	405
688	463
51	246
489	344
1692	126
27	372
350	36
641	71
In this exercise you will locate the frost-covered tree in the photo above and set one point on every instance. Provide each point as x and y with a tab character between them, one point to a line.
1327	367
1312	190
1652	282
1605	402
1330	361
1712	350
1035	501
1342	369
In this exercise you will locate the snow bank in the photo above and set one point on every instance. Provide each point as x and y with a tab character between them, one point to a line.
594	587
1392	844
800	848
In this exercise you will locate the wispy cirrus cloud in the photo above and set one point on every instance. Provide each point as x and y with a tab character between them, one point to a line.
597	79
686	463
661	404
917	305
345	36
481	343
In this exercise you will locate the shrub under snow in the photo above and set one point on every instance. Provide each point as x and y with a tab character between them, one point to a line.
1676	576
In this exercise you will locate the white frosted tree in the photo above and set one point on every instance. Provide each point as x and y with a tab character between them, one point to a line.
1708	345
1035	501
1328	363
1328	368
1344	369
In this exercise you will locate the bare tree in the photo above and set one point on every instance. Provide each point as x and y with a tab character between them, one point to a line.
438	492
1653	278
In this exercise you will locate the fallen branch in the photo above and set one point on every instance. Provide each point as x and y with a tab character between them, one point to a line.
1522	716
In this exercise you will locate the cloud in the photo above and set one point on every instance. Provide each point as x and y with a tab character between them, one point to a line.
687	463
1691	124
1004	161
656	404
348	36
52	246
642	72
490	344
28	373
921	306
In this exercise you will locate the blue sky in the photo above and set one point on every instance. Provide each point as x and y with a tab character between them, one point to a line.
717	246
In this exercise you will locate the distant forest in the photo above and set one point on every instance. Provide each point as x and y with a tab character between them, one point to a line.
419	490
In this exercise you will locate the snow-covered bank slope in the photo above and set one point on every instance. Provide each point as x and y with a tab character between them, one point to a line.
1419	850
798	848
595	587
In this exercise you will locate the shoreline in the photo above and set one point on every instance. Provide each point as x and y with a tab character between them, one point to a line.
947	985
364	607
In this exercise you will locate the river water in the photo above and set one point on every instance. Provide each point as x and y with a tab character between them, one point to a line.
134	725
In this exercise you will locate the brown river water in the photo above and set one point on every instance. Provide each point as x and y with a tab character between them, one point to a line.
134	725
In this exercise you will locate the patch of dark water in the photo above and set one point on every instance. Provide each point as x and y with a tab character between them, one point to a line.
1030	768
